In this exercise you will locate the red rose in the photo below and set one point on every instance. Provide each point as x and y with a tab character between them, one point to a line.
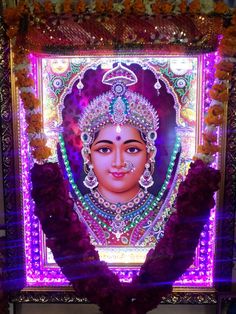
47	181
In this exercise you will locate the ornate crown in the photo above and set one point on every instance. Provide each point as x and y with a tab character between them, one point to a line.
119	106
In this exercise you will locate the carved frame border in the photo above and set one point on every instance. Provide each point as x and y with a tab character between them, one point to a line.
226	215
14	256
13	221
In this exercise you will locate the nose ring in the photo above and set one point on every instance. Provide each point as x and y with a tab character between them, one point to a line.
129	166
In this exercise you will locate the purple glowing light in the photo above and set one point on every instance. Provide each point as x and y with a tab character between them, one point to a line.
39	273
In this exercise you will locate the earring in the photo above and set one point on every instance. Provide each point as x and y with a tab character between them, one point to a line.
146	179
90	180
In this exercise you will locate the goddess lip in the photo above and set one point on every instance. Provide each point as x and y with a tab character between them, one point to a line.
118	174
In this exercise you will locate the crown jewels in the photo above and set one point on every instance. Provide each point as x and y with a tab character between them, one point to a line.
120	106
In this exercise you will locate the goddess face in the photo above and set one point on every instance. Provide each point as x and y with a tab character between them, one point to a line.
110	153
59	66
180	66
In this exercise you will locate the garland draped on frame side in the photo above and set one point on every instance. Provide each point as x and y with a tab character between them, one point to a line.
79	261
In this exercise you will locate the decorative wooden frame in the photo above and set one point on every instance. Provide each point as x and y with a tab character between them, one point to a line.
226	301
224	242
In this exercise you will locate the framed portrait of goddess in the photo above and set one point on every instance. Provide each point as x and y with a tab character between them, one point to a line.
120	192
124	130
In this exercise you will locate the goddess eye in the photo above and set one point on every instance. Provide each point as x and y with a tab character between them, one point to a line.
104	150
133	150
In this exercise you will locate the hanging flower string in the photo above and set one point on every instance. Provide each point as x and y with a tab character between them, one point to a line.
26	85
126	6
219	93
31	103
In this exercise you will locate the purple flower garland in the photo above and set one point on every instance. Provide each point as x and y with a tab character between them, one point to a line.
79	261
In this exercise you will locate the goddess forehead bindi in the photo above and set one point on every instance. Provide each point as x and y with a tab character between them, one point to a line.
118	137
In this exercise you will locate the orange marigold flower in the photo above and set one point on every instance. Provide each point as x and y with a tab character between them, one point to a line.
139	6
166	7
233	20
20	58
219	96
12	31
228	40
22	77
127	6
230	31
156	7
109	6
48	7
11	16
42	153
195	6
215	110
219	87
221	8
100	6
222	75
25	82
208	148
21	73
34	128
224	66
30	101
227	50
38	142
35	117
37	7
81	7
214	116
183	6
22	8
67	6
19	49
35	123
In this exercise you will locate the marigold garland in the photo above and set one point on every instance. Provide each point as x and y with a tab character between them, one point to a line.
37	8
67	6
183	6
80	7
223	75
219	93
127	6
38	142
41	152
109	6
48	7
221	8
100	6
25	81
195	7
139	7
167	8
30	101
156	7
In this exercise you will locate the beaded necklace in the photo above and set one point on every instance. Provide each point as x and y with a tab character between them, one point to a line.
122	216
